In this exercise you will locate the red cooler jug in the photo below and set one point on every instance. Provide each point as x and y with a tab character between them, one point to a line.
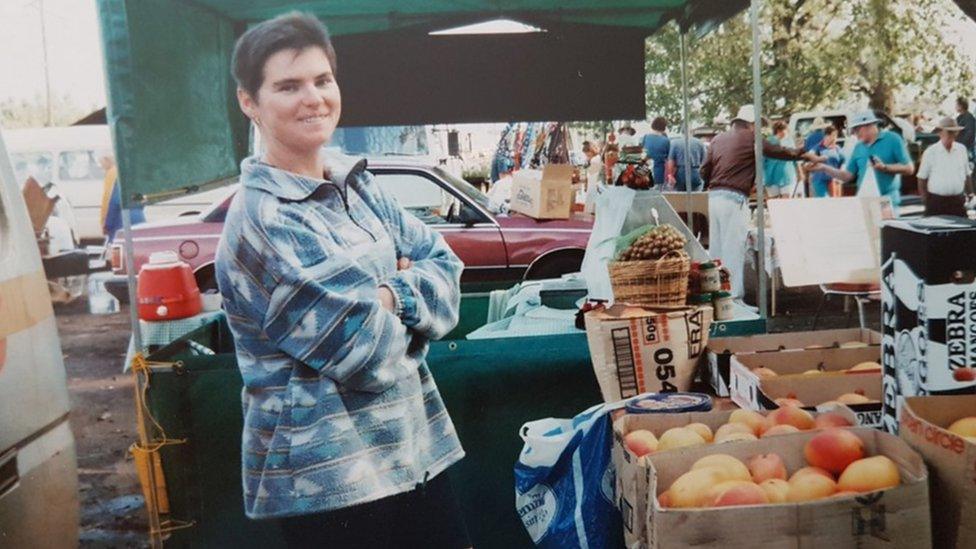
167	289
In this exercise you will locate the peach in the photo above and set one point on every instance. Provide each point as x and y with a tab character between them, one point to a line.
664	500
678	437
731	466
869	474
735	492
703	430
730	428
811	471
965	427
780	430
830	419
764	373
788	401
865	367
833	450
735	437
754	420
641	442
853	398
766	466
809	488
791	415
688	489
776	489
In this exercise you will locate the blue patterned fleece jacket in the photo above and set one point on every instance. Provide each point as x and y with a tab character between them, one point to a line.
339	406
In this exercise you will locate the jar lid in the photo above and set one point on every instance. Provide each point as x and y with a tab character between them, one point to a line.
700	299
707	265
669	403
721	295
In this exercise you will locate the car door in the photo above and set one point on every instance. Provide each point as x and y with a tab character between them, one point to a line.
478	242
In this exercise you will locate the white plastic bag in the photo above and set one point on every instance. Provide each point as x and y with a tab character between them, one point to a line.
612	206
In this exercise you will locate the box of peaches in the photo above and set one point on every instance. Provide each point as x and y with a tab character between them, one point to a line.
943	430
811	379
789	478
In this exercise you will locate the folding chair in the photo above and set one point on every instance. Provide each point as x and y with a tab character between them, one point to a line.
862	294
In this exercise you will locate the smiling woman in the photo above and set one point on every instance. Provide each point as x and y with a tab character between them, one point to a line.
332	291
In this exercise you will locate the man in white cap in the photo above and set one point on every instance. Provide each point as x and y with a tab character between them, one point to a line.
943	175
730	173
884	152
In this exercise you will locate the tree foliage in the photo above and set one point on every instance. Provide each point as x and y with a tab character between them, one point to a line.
815	54
32	113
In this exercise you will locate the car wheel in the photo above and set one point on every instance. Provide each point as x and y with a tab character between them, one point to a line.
555	266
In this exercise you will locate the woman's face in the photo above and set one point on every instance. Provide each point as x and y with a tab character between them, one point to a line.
829	139
298	104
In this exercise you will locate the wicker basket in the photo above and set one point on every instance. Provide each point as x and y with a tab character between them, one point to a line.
654	283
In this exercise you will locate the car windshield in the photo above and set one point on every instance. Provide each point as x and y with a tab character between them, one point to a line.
467	189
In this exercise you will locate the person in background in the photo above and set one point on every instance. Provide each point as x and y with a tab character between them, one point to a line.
656	147
730	170
780	175
817	131
594	174
830	154
500	192
112	208
107	161
943	175
884	152
333	292
676	162
968	134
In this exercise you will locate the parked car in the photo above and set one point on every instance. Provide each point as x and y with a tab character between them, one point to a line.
498	249
38	470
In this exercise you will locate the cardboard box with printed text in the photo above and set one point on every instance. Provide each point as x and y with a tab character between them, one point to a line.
894	518
549	195
721	349
951	461
750	391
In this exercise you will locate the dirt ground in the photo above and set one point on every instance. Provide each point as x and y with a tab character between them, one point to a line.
103	413
103	422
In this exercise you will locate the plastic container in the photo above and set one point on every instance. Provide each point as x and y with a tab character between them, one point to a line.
724	307
669	403
167	289
710	278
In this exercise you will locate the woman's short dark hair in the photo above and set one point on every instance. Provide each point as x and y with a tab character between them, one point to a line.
963	102
779	126
659	124
830	130
290	31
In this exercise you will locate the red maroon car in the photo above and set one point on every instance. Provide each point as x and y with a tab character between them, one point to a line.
498	250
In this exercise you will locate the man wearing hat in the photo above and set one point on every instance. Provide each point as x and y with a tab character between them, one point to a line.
730	173
884	152
943	175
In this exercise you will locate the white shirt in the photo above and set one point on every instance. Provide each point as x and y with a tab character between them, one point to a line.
945	170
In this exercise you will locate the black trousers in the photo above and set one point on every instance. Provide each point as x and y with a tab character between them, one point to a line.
426	517
945	205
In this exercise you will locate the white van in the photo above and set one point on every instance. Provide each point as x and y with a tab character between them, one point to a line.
69	158
38	469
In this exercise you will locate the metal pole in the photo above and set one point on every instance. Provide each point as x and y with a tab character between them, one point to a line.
684	100
155	532
760	182
47	74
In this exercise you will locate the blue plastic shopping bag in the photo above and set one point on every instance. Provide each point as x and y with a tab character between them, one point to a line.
564	481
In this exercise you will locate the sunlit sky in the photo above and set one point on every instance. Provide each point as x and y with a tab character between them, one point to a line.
75	55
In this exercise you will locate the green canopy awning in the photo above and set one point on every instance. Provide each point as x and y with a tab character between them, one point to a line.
172	104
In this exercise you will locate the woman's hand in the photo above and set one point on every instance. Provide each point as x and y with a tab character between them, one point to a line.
386	298
404	263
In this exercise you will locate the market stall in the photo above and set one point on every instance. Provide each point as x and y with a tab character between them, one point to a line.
171	139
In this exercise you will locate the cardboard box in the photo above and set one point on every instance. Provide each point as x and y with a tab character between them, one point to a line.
637	351
549	195
720	349
928	313
749	391
951	460
631	478
893	518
